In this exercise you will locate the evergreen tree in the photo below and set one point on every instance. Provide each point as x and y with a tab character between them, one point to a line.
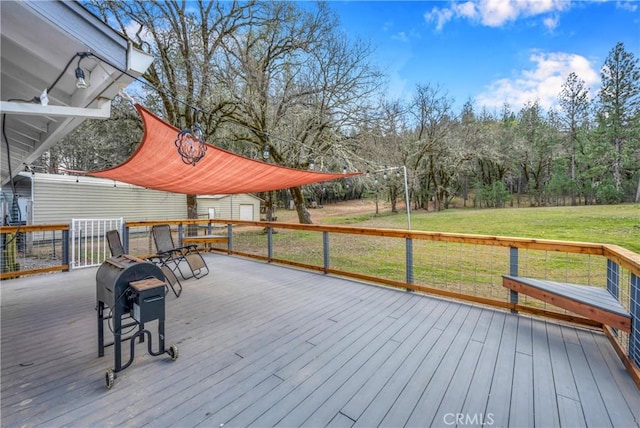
619	102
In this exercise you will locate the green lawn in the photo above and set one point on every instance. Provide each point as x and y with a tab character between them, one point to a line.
613	224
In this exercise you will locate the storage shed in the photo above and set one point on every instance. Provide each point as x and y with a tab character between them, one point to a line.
240	207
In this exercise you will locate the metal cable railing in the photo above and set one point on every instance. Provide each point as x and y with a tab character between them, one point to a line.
467	267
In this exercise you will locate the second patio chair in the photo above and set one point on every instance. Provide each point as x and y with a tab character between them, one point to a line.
177	257
117	250
115	245
171	280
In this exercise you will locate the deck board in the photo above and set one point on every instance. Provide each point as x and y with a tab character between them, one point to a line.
450	374
502	387
478	394
397	370
617	409
264	345
593	405
409	378
544	391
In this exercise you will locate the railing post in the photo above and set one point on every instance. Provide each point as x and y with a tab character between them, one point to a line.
125	237
78	260
270	243
634	306
180	234
65	248
325	250
229	238
513	271
409	260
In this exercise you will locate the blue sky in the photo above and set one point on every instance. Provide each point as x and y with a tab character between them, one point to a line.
492	51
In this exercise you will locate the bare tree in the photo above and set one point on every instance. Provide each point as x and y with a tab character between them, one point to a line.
432	112
388	147
537	149
297	84
187	39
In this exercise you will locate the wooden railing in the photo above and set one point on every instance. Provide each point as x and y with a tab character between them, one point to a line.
460	266
29	250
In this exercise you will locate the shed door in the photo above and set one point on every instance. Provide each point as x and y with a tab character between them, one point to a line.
246	211
212	213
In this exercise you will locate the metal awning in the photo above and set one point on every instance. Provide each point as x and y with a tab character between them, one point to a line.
156	164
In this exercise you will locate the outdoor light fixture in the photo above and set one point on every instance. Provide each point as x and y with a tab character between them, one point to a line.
344	169
44	98
190	144
312	164
265	152
80	82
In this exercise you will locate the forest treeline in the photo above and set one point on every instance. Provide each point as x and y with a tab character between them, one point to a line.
282	76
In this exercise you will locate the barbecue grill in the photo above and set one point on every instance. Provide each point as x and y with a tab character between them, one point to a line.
133	290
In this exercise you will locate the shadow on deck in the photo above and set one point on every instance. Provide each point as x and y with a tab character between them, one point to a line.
263	345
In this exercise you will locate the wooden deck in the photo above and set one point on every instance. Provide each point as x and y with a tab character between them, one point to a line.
263	345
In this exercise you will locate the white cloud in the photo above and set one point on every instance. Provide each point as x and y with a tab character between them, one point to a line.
629	5
496	13
440	16
401	36
551	22
543	83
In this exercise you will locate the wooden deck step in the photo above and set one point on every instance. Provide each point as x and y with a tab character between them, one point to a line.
592	302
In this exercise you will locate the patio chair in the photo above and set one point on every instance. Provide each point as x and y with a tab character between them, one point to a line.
115	245
117	250
171	280
175	258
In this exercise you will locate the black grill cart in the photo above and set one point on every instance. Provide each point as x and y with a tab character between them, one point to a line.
130	292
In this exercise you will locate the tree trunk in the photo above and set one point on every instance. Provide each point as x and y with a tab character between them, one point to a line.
573	173
617	164
303	214
192	212
269	206
638	191
192	206
393	194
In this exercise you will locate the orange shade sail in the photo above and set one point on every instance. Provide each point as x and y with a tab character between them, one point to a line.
157	165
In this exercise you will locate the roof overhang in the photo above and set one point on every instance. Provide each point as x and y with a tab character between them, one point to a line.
39	39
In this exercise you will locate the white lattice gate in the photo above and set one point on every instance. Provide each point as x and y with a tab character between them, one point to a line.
89	246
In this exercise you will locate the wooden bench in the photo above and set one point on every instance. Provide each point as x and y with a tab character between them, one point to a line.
591	302
206	240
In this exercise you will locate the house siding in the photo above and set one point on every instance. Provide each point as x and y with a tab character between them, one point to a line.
58	199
